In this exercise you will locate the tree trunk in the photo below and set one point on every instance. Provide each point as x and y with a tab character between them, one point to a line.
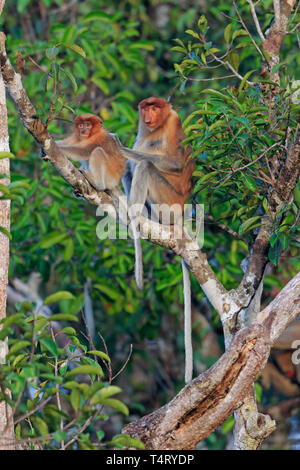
6	422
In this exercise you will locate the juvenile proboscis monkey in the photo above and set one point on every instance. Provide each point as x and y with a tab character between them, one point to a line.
162	174
93	146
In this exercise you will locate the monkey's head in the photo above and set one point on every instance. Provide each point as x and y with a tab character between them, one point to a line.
86	125
154	112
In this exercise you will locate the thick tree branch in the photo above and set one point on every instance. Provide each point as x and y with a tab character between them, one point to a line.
205	403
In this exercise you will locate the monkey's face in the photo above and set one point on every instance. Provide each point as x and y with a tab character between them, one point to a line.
84	129
152	116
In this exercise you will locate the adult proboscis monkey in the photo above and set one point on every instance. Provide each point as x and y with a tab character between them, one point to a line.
162	174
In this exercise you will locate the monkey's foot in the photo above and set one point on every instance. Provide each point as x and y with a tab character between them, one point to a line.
77	193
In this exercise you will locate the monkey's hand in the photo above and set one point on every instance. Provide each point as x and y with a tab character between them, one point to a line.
77	193
43	155
164	163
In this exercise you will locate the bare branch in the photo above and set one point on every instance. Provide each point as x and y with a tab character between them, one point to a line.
256	22
282	310
276	4
246	29
205	403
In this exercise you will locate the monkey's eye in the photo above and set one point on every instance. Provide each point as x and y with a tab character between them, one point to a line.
80	126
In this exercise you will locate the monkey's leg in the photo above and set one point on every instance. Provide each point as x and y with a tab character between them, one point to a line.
140	182
127	178
89	177
98	169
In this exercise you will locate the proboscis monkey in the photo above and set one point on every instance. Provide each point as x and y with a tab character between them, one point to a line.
162	174
93	145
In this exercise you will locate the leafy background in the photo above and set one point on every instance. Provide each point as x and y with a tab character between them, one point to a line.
93	57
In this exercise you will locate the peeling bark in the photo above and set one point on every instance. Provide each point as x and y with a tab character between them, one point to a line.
6	423
208	400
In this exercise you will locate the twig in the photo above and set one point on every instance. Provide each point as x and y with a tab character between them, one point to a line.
108	365
294	29
246	29
227	64
207	79
35	63
248	164
295	12
255	19
124	365
33	410
227	229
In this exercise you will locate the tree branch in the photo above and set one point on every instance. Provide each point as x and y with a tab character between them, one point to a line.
209	399
205	403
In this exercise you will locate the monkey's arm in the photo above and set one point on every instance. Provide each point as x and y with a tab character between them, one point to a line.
162	162
74	152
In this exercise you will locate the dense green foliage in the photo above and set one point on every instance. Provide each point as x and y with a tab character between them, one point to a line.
99	58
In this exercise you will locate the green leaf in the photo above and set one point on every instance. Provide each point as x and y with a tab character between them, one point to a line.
6	155
52	239
60	436
258	391
117	404
21	5
68	330
250	183
100	354
228	425
51	53
91	370
202	23
239	32
111	293
102	84
274	253
63	317
11	319
127	441
192	33
17	346
72	80
142	45
242	84
227	32
249	225
75	398
39	425
75	48
97	15
58	296
105	393
50	345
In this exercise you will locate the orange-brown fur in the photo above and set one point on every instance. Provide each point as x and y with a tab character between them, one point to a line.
164	137
106	163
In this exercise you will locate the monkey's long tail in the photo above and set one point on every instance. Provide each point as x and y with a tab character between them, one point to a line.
139	272
187	322
123	202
